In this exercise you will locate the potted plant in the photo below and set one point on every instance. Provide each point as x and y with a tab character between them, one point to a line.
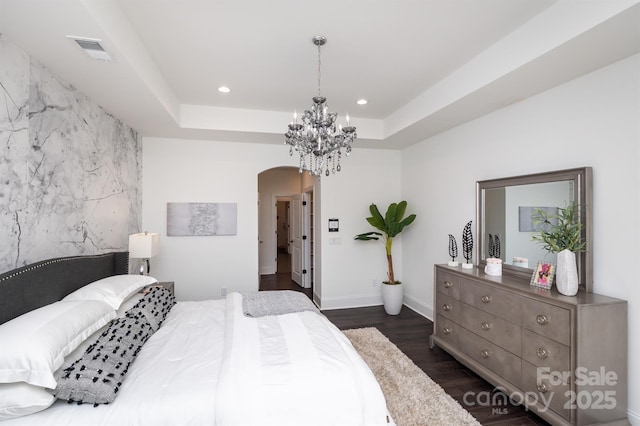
561	233
390	226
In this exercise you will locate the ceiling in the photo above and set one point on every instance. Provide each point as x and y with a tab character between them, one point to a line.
423	65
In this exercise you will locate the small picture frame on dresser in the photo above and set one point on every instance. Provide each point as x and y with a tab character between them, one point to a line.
543	275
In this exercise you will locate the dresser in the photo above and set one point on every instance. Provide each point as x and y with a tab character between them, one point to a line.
564	357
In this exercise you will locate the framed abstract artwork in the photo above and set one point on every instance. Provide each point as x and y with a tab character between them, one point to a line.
201	219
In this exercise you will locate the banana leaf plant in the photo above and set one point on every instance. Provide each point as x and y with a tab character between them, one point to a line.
390	226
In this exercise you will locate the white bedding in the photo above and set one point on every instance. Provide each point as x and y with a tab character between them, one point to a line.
292	369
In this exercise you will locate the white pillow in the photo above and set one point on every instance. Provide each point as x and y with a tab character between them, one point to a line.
34	344
20	399
113	290
128	304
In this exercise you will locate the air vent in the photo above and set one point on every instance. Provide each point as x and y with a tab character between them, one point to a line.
92	47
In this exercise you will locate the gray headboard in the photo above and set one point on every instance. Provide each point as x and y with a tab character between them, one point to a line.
39	284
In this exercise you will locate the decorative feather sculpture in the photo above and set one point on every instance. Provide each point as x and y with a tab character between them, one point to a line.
453	248
492	246
467	242
496	247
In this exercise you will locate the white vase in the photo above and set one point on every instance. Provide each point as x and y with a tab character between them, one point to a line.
392	298
567	273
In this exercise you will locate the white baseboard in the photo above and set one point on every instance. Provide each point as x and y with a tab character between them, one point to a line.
367	300
268	270
350	302
419	307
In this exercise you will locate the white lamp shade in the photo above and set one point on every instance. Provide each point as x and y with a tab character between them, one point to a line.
144	245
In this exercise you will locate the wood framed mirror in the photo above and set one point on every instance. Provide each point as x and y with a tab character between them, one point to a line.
503	217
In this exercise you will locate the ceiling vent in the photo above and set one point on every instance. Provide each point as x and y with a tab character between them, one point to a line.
92	47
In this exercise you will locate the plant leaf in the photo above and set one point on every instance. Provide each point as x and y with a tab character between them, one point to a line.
400	210
390	218
373	235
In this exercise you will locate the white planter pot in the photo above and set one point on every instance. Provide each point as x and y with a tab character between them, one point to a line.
567	273
392	298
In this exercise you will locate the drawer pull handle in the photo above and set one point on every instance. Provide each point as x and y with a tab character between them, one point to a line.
485	326
485	354
447	284
485	299
542	319
446	330
446	307
542	353
542	388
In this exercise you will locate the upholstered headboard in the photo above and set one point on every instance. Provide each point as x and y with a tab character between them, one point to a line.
39	284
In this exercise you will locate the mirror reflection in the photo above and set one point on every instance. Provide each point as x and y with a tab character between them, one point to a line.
508	220
505	227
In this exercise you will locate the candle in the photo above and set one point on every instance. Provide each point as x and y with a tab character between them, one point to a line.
347	119
295	117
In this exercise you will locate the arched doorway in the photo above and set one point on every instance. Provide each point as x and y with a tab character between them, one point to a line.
283	191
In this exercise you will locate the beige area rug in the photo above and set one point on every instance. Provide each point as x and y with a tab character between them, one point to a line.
412	397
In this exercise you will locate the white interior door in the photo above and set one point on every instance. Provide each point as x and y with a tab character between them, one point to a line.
297	254
307	239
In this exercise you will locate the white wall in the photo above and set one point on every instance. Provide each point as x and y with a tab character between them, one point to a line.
591	121
210	171
350	267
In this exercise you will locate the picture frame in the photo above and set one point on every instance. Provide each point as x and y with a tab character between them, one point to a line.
543	275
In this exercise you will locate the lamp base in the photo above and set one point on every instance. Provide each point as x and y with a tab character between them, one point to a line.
144	263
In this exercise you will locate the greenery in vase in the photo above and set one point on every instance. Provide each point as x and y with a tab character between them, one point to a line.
566	234
391	225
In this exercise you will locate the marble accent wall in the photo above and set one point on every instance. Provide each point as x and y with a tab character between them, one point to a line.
70	172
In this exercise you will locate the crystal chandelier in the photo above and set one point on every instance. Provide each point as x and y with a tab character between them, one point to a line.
315	139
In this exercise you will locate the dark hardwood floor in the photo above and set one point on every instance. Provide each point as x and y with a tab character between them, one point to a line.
410	332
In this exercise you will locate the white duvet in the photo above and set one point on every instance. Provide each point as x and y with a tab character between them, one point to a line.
210	365
294	369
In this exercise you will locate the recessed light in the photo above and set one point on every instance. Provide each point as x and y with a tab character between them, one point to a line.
223	89
362	102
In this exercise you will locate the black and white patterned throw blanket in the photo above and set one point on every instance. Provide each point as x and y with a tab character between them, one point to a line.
264	303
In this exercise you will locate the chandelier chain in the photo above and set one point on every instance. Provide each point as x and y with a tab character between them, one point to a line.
319	68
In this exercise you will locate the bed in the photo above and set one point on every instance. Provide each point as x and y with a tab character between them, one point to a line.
204	362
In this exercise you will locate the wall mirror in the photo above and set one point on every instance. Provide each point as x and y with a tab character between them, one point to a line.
503	219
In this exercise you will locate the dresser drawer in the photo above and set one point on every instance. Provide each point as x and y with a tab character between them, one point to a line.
496	330
448	331
448	284
449	308
493	357
549	390
543	352
501	303
548	320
